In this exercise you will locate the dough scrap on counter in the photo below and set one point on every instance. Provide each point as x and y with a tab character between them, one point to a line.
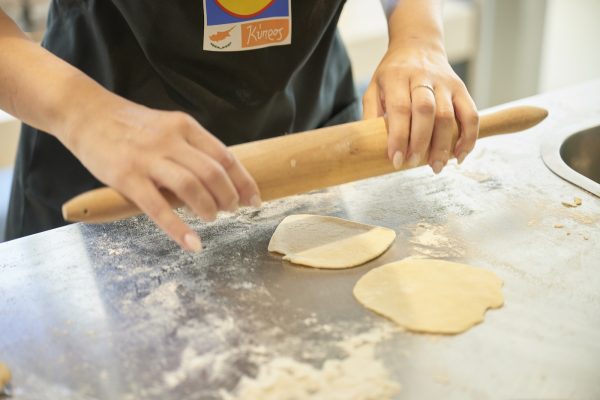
572	204
433	296
5	377
329	242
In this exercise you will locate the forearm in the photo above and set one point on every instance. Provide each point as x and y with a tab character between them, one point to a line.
415	22
137	150
39	88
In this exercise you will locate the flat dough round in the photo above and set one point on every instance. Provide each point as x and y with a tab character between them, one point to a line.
329	242
432	296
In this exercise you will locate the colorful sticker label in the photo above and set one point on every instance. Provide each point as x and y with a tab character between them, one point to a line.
238	25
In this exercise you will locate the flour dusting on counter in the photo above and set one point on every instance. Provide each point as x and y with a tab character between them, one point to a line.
434	241
360	375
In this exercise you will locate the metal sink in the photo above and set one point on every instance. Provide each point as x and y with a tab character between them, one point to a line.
576	157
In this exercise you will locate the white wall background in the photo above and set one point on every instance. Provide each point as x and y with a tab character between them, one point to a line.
571	48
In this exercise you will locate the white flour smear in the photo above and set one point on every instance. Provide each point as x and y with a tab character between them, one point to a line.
432	241
164	297
358	376
216	361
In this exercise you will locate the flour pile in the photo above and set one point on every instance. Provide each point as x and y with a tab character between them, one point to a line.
359	376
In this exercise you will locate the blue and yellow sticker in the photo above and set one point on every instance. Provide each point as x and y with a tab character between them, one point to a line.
238	25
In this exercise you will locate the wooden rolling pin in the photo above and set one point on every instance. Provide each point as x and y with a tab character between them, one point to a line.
301	162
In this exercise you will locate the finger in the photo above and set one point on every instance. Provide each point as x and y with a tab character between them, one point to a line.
245	184
145	194
422	122
372	103
248	191
398	111
441	140
466	114
211	174
186	186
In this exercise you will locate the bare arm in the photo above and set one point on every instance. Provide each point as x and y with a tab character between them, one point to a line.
36	85
417	89
135	149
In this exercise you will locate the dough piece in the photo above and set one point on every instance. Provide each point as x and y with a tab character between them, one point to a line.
575	203
329	242
432	296
5	377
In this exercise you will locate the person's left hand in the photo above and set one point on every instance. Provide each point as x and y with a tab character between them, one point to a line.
421	96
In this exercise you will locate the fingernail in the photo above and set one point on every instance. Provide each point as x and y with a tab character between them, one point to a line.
414	160
192	242
397	160
461	157
234	206
255	201
208	217
437	167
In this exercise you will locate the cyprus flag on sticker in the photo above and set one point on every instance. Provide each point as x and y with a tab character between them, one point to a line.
238	25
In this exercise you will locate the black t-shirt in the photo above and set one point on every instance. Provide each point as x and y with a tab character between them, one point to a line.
245	69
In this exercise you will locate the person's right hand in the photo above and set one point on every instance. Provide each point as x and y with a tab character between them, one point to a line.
139	151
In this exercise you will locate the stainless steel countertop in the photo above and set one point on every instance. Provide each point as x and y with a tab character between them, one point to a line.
117	311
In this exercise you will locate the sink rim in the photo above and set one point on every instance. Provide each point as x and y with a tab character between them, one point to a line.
550	151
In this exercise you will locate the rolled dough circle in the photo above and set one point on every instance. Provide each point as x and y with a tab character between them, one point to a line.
433	296
329	242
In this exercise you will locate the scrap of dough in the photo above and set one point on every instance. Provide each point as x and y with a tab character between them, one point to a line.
431	296
5	377
329	242
575	203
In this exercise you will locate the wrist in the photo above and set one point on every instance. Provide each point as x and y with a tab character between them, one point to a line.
79	107
412	46
417	24
427	42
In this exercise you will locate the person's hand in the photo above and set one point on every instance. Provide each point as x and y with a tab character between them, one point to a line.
136	150
139	151
421	96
